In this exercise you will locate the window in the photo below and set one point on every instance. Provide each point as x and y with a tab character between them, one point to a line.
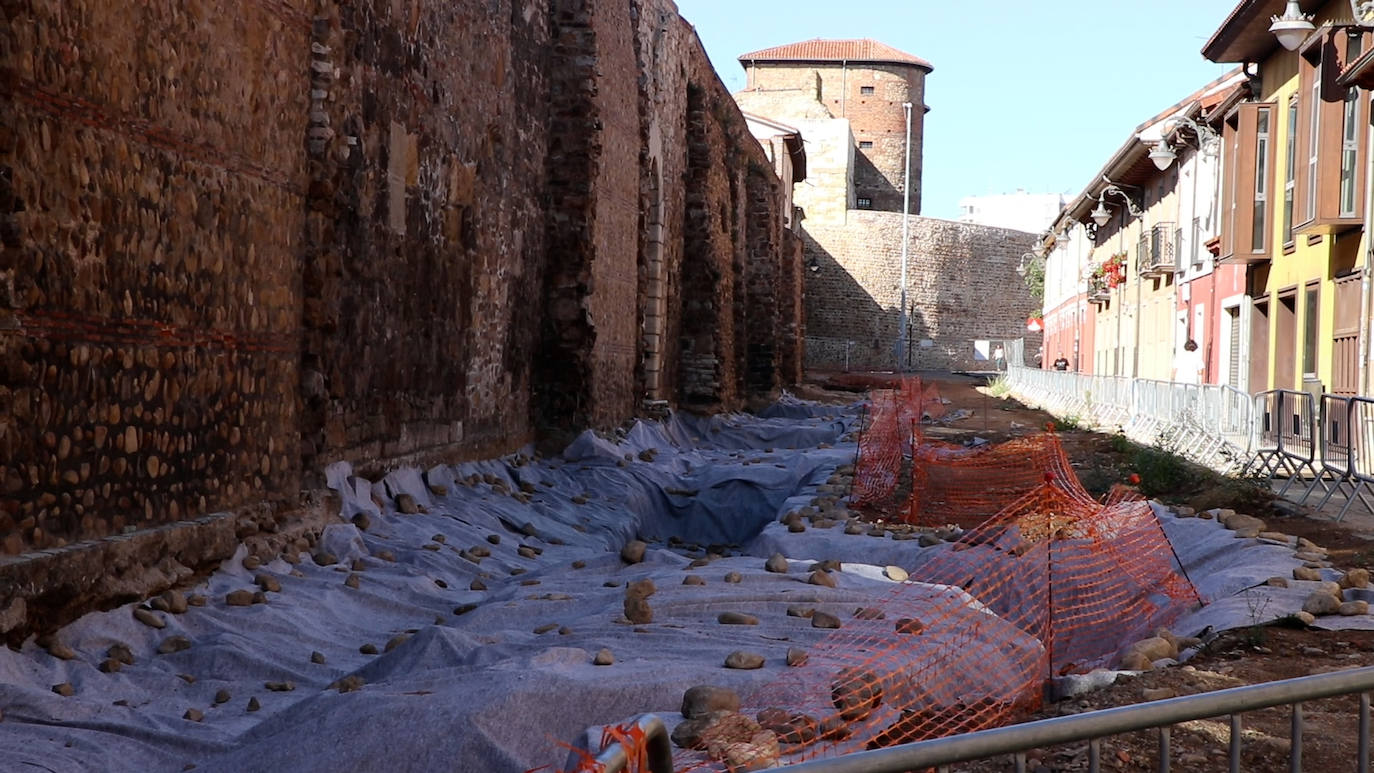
1333	129
1314	118
865	144
863	203
865	89
1261	199
1309	329
1290	171
1246	216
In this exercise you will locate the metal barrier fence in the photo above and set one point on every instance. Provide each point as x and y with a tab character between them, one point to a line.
1347	424
1280	432
1207	423
1287	431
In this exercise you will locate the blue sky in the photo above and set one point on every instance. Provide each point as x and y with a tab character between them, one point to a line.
1033	95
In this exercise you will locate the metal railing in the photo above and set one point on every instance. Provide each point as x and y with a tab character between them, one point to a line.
1093	726
1156	252
1207	423
1287	435
1277	433
1346	426
658	750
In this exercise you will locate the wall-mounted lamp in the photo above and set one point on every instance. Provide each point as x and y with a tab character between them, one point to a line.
1100	215
1292	27
1164	154
1027	258
813	266
1061	238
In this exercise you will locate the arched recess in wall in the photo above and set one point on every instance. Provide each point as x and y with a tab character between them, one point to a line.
654	292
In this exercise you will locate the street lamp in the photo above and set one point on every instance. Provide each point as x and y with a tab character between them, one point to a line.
1163	155
1292	27
1100	215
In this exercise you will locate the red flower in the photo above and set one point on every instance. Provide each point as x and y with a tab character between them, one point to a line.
1134	479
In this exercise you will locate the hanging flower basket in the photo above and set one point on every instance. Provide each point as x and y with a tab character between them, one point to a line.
1109	274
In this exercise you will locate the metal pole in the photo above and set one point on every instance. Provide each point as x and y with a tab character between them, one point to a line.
906	225
1079	727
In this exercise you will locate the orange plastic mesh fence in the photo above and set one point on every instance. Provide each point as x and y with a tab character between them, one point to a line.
885	436
1053	583
962	486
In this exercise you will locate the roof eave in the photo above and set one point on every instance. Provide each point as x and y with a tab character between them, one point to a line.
1230	44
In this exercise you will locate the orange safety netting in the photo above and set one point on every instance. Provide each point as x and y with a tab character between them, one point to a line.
962	486
887	435
1046	582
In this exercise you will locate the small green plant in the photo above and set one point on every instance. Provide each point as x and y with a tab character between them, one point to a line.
1162	470
1000	386
1255	634
1069	423
1121	444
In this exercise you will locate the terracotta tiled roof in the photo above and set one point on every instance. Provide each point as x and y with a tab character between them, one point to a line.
861	50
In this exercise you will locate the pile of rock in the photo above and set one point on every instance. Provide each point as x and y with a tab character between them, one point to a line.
1329	597
713	723
1163	647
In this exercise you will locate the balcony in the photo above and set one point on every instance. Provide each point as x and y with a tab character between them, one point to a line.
1158	246
1098	292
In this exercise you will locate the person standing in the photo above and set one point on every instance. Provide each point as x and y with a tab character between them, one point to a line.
1061	363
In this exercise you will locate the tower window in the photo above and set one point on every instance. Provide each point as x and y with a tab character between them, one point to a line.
865	89
863	203
865	143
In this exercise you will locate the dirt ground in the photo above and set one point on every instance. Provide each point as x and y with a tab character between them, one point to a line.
1247	656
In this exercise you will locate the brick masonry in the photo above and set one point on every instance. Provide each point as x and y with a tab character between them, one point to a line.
809	90
962	286
288	232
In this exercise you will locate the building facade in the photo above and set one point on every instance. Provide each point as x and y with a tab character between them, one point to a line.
1294	200
851	100
1019	211
1266	174
1130	283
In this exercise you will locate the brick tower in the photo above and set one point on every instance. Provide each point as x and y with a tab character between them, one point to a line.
863	81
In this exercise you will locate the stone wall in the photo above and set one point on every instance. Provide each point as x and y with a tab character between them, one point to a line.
424	230
152	205
241	241
962	286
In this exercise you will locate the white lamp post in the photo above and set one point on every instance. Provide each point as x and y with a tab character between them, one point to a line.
906	222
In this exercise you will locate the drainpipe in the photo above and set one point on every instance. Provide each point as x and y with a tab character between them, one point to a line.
844	86
1363	370
1139	312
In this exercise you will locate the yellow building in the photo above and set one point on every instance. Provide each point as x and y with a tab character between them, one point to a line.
1294	157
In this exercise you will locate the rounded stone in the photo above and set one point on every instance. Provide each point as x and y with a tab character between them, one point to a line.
703	699
603	657
824	620
856	693
633	552
742	660
777	563
736	618
824	579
